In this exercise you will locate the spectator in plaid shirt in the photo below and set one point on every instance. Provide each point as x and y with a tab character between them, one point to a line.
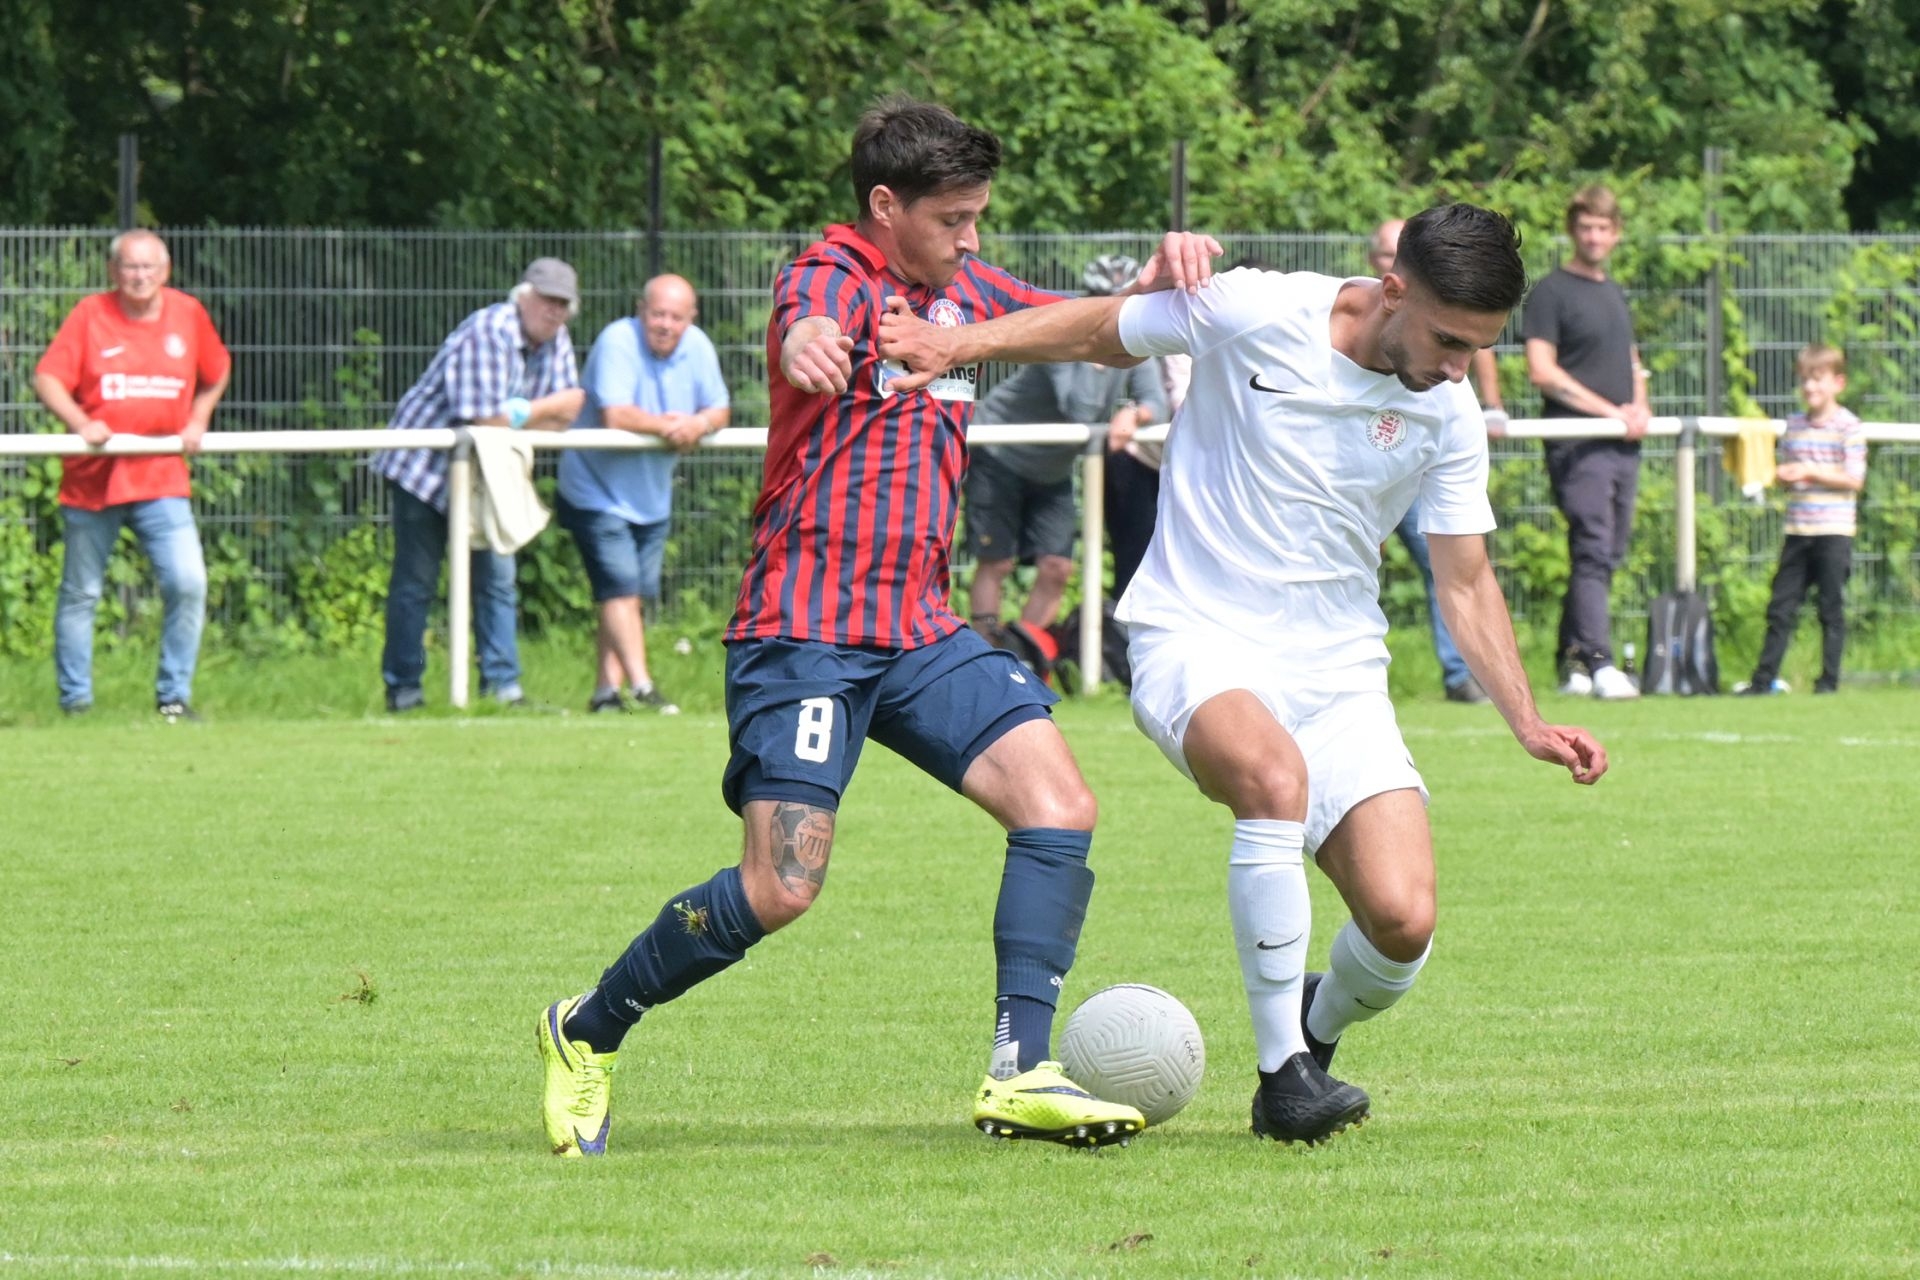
507	365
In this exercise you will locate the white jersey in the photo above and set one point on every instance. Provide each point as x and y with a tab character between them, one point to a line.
1287	468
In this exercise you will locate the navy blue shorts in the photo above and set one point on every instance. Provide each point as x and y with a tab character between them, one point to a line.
622	558
798	711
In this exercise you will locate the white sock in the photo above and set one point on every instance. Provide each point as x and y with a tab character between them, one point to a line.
1360	983
602	690
1272	918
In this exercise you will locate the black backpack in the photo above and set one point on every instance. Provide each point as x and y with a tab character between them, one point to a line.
1680	656
1114	667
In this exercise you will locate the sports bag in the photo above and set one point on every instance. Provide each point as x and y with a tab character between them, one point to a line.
1680	657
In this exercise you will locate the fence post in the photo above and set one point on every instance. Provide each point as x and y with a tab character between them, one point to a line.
1684	549
1093	521
459	566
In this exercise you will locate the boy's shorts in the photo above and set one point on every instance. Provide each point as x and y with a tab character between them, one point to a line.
1344	728
799	711
622	558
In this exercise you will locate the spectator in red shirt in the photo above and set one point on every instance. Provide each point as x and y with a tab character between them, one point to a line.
140	360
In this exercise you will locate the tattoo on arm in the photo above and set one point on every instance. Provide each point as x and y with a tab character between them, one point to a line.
800	840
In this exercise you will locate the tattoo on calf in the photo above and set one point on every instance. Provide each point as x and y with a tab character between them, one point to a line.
802	838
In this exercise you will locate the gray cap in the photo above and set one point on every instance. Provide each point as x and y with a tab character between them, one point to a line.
1109	273
553	278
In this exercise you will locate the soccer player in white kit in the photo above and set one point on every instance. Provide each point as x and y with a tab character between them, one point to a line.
1320	409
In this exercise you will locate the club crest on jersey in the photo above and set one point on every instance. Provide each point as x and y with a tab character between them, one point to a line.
946	313
175	348
1386	430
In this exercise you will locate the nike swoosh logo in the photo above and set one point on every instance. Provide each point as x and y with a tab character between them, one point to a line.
596	1145
1257	385
1364	1005
111	352
1276	946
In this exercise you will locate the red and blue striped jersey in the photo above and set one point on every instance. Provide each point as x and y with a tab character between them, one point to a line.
853	531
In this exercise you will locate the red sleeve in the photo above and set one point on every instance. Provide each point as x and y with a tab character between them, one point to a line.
820	286
67	350
211	353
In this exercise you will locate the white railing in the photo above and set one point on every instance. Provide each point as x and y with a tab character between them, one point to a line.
1092	440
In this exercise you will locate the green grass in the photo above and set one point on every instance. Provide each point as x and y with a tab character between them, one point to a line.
270	986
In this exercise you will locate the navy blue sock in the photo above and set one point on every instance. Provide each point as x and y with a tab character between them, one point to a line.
696	935
1036	929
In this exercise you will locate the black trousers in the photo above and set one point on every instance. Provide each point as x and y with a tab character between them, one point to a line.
1594	485
1825	562
1133	501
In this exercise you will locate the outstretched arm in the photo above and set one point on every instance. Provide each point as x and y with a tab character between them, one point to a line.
1476	614
1075	330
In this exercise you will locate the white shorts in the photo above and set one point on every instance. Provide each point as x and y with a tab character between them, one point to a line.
1348	735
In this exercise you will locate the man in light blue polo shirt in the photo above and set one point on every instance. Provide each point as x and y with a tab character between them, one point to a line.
655	374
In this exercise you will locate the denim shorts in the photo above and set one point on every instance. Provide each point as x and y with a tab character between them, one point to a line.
622	559
799	711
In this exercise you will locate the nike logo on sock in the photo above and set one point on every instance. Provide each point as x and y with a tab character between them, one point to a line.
1277	946
1377	1008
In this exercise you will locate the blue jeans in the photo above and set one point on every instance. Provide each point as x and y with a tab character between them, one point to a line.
419	549
167	533
1453	667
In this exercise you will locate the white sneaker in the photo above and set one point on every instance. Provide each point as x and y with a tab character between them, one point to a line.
1578	684
1610	682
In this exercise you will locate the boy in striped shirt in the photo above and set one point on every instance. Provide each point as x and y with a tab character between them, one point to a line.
1823	463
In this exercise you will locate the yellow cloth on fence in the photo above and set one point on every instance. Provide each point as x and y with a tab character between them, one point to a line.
1748	458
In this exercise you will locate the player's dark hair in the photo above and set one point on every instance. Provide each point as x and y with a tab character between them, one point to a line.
918	149
1465	256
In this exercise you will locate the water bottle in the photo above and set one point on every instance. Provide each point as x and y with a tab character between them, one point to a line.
1628	666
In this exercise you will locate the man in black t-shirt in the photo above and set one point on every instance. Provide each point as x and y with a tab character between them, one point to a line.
1581	354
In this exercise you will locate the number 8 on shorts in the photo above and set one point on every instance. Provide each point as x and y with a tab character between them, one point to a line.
813	739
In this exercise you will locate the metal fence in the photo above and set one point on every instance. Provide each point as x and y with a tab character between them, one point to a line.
329	327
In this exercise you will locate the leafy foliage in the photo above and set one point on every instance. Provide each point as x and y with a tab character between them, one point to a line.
1300	114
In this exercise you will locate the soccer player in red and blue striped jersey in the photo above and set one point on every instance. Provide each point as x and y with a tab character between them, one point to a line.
844	633
856	515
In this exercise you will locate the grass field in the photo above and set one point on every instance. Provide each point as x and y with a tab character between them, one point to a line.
269	987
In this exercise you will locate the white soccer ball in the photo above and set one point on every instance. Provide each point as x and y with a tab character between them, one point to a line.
1136	1045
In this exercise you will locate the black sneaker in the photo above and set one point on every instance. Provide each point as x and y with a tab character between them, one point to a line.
1322	1050
608	701
175	711
1302	1103
651	699
76	709
402	700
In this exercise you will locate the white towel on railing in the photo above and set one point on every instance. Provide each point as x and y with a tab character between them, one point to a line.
507	514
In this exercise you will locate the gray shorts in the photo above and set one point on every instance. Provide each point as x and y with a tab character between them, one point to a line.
1010	517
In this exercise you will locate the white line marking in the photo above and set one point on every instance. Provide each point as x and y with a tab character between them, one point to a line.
299	1265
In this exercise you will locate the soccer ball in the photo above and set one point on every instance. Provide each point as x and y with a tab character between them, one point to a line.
1136	1045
